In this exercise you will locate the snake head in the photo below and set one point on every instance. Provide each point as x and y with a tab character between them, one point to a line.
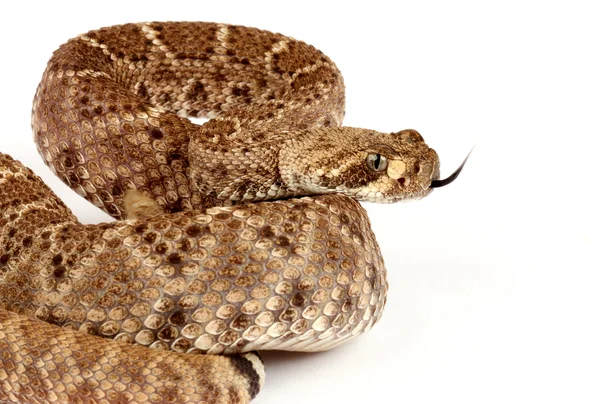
363	164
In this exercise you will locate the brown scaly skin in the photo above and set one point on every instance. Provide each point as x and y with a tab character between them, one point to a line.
299	274
302	274
70	366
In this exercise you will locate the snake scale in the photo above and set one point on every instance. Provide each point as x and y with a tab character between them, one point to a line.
240	234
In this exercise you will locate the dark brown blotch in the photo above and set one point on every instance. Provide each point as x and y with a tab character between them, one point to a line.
150	238
178	318
245	368
60	271
141	228
117	191
167	334
194	230
156	134
57	260
298	300
267	231
175	258
197	91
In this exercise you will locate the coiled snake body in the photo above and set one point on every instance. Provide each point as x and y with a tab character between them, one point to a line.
202	258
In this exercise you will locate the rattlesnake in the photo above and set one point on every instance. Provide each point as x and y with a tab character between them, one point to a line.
201	259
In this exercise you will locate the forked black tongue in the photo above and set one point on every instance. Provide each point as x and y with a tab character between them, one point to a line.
452	177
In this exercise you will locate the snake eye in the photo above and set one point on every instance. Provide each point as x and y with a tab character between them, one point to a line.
377	162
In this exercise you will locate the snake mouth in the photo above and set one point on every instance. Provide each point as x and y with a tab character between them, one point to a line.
451	177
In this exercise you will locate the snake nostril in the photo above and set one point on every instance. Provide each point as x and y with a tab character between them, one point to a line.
401	181
417	167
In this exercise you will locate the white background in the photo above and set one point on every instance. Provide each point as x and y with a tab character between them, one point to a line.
494	280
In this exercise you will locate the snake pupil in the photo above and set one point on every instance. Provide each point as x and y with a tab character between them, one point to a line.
376	162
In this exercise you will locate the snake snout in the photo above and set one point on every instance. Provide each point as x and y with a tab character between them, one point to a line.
425	169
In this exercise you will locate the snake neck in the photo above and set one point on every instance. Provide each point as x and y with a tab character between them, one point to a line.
230	171
255	165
